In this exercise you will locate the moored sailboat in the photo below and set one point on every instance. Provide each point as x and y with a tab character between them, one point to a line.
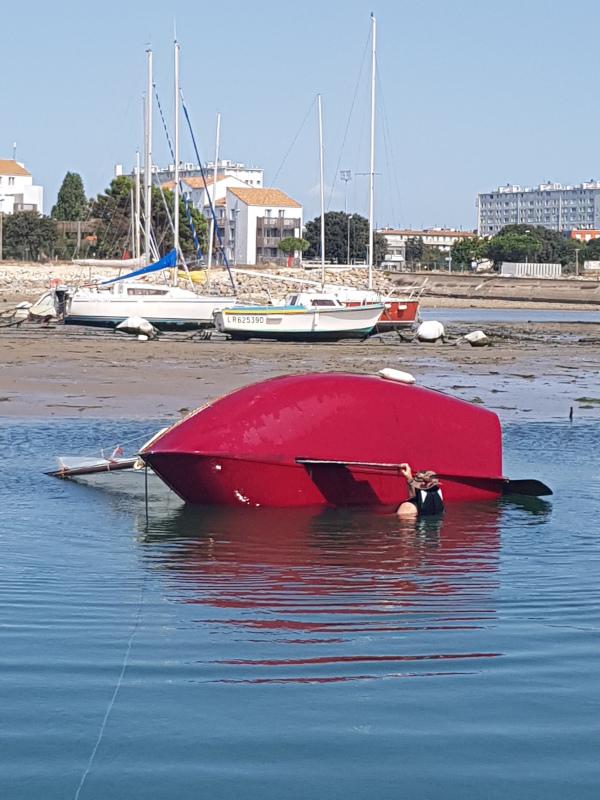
308	316
165	305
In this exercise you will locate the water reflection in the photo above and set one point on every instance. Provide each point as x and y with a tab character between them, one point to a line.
335	596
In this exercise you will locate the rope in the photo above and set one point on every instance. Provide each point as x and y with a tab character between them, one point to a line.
294	140
210	202
356	87
390	155
111	703
187	208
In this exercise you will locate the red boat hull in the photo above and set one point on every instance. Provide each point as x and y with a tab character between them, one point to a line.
396	314
243	448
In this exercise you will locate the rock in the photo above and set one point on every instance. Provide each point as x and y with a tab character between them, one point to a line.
477	339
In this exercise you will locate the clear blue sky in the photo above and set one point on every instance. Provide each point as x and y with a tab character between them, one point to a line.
472	94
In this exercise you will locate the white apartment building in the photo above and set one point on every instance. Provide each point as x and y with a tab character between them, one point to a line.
551	205
200	193
443	238
256	220
17	190
251	176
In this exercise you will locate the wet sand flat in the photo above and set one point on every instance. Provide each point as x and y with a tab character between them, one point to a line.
530	371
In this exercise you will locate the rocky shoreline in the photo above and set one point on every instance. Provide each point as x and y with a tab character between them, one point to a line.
27	281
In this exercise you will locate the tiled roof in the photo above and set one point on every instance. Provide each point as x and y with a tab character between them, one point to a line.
264	197
10	167
196	182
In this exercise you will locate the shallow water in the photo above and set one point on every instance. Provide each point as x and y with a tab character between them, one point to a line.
270	654
509	315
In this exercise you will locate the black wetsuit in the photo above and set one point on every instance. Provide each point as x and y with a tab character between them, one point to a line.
429	502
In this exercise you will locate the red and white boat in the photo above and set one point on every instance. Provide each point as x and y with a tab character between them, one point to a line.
331	439
399	311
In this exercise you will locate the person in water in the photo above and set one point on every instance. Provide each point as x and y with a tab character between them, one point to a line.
424	494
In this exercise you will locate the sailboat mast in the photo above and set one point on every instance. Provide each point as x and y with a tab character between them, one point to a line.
372	165
322	189
211	235
148	161
176	158
138	216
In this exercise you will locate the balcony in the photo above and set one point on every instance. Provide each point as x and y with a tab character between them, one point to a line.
278	222
268	241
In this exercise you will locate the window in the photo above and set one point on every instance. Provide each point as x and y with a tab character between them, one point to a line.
143	292
281	213
11	181
268	212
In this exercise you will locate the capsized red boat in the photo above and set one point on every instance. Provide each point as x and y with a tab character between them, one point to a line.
330	439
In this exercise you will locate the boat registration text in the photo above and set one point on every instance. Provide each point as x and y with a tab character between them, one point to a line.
247	319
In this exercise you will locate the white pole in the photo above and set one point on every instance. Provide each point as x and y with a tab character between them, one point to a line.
148	161
138	246
132	219
211	234
321	178
176	157
372	167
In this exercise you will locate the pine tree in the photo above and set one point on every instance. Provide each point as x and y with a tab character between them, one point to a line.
71	203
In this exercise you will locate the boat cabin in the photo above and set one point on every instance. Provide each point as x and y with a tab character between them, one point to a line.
312	300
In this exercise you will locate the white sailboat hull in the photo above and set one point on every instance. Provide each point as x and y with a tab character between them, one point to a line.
289	323
164	306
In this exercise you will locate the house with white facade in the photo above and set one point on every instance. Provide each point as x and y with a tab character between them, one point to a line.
17	190
256	220
251	176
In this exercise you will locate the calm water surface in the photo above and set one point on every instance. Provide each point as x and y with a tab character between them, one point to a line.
269	654
509	315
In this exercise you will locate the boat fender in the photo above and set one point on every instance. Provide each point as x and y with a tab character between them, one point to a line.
137	325
430	331
397	375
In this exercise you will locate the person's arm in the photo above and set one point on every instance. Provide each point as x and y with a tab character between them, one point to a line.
407	472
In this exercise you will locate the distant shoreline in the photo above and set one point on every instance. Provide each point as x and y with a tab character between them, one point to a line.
27	281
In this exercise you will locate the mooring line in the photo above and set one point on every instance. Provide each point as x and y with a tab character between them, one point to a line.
115	693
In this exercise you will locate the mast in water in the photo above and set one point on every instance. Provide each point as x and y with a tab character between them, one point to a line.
372	165
148	161
176	159
322	187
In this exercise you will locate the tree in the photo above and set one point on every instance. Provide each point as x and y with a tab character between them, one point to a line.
339	227
291	245
413	252
28	235
71	203
113	211
434	257
511	246
589	251
522	242
465	251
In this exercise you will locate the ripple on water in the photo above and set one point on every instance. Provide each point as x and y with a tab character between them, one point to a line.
276	653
